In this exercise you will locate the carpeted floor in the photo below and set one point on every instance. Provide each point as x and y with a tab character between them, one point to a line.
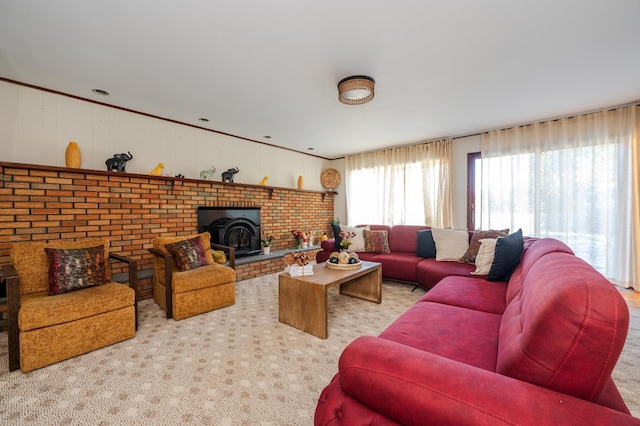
234	366
627	373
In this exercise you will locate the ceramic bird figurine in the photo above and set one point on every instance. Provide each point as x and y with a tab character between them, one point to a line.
158	170
264	180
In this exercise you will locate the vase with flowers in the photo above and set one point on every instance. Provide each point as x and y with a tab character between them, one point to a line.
266	244
346	239
298	236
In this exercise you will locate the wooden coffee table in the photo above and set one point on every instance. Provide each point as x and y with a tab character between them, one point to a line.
303	300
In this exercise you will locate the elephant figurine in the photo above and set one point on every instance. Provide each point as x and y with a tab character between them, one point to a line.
228	175
118	162
206	174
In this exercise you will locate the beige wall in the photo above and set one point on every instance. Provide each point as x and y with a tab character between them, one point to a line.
462	147
36	126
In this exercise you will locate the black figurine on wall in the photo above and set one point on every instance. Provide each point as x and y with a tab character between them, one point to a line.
228	175
118	162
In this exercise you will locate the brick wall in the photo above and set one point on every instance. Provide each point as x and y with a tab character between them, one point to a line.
56	203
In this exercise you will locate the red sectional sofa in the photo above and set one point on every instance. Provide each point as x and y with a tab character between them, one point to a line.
537	350
401	263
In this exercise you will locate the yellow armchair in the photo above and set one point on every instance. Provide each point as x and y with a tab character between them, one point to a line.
44	329
183	294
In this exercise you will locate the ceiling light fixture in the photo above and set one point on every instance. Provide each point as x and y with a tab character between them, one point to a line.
356	90
100	92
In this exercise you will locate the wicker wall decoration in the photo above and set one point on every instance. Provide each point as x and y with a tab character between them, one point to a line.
330	178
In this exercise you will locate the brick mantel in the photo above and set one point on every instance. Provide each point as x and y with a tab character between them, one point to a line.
57	203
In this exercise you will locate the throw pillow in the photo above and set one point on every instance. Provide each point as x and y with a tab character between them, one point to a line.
451	244
336	235
73	269
426	244
506	257
357	240
188	254
219	256
484	258
376	241
474	245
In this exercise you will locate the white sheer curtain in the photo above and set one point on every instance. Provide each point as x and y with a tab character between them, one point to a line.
408	185
569	179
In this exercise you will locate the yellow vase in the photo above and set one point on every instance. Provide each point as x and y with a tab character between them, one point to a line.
300	182
72	156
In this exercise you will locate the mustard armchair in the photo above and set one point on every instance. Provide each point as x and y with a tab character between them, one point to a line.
61	301
186	279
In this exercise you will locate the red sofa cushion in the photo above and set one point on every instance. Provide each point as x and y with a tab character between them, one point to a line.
459	334
565	329
471	293
382	382
404	238
397	265
430	272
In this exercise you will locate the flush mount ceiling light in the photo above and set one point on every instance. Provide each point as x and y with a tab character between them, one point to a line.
356	90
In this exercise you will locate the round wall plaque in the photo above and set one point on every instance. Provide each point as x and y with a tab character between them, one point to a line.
330	178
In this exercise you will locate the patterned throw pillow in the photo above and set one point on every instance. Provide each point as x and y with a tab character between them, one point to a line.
474	245
376	241
188	254
73	269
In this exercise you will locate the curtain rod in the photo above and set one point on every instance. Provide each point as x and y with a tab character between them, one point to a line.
467	135
561	117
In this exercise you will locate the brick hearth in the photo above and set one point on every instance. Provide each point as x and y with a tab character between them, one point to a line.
57	203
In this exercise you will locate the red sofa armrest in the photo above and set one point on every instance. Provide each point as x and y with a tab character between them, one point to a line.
409	386
329	245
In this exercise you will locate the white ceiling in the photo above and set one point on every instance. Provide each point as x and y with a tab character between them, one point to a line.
256	68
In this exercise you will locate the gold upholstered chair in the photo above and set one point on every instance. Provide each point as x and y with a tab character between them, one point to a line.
61	301
187	281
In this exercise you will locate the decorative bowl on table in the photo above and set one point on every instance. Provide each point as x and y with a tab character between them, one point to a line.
343	260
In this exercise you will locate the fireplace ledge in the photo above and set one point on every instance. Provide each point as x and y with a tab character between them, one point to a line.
275	254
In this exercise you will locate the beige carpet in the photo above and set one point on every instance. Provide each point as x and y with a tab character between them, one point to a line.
234	366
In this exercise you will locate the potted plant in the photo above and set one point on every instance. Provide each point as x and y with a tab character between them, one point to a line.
266	244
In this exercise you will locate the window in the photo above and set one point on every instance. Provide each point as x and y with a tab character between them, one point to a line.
409	185
401	204
474	171
568	179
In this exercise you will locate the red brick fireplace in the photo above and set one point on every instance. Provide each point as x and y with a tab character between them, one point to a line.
57	203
